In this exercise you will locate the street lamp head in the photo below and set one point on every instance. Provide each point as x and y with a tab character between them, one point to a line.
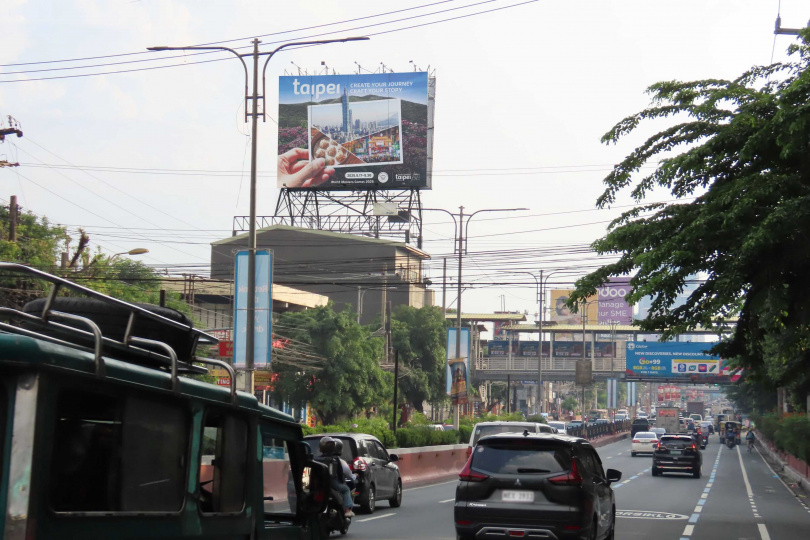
138	251
159	48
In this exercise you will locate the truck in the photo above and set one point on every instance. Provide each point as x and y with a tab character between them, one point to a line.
695	407
669	419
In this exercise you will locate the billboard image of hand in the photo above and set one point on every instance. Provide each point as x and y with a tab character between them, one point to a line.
296	171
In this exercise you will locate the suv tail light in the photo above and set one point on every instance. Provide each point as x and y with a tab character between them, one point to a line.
572	478
358	464
470	475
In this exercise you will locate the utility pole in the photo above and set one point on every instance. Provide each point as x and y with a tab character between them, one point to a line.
444	286
458	303
12	219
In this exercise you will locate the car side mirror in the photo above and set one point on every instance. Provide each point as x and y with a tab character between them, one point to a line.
613	476
393	457
316	485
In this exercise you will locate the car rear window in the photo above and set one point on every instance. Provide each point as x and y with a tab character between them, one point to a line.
347	456
676	444
483	431
521	457
645	435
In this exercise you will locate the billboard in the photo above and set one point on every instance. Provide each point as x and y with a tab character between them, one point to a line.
674	361
613	308
561	314
354	132
263	305
457	379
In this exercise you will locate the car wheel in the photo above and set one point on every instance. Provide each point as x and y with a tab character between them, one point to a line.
594	529
370	501
655	472
396	500
612	532
632	454
697	473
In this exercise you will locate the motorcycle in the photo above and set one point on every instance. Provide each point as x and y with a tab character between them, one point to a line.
731	440
333	517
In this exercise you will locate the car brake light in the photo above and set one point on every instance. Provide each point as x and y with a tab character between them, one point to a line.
463	522
517	533
358	464
470	475
571	478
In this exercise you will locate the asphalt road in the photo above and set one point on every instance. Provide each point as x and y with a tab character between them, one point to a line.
738	497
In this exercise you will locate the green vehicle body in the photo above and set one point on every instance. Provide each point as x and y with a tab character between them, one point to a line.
98	447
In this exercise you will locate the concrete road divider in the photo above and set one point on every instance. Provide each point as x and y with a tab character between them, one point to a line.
427	464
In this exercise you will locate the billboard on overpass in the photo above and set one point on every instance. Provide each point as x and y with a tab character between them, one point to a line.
355	132
674	361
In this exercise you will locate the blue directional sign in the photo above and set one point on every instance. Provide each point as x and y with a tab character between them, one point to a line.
263	333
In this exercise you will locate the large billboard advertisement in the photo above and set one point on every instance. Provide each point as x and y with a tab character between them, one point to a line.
613	308
561	314
354	132
674	361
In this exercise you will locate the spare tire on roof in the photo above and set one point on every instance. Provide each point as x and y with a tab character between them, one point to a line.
112	321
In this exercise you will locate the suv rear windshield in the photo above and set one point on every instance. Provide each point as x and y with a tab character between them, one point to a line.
347	456
483	431
676	444
520	457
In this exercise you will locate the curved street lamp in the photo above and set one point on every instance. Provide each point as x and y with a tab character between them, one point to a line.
136	251
251	285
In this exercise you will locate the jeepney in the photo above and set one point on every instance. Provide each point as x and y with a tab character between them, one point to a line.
105	435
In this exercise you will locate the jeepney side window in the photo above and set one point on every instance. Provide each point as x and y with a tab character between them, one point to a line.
223	467
278	462
3	424
117	454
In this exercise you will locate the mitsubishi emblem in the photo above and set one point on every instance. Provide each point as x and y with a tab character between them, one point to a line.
517	482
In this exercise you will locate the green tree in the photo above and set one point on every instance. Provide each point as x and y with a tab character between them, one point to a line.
420	336
350	381
570	403
744	161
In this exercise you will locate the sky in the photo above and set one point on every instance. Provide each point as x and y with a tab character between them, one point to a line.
159	158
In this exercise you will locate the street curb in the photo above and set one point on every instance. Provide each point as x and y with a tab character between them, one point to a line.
789	471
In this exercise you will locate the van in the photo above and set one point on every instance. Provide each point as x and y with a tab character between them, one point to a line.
111	433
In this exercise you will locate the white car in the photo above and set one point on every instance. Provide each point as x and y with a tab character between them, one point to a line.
644	442
560	426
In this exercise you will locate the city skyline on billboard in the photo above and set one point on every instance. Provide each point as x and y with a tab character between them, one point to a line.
354	132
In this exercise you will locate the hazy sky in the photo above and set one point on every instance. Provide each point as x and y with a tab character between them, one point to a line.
159	158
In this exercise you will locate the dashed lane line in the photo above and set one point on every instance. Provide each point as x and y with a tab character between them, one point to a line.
763	531
693	519
447	500
376	517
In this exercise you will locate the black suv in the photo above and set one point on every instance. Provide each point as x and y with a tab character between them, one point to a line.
677	453
535	486
377	476
639	424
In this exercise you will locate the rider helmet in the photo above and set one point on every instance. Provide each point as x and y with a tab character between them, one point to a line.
338	447
327	445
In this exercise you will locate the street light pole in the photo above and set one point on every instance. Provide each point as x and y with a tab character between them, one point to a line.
462	229
251	284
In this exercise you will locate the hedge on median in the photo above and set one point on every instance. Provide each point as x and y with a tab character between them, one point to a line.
789	433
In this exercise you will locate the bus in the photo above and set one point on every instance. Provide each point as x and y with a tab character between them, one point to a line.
106	434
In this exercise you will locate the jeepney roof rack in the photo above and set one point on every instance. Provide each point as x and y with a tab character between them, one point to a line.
90	332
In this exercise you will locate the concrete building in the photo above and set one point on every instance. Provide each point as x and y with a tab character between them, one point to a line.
350	270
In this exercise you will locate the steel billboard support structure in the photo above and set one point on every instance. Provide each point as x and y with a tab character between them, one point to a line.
254	115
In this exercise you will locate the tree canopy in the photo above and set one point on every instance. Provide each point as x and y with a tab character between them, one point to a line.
350	381
744	158
420	336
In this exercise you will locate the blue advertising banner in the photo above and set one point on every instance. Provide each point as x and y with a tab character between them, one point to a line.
458	377
672	360
362	131
263	332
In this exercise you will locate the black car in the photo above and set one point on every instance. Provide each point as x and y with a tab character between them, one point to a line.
639	424
677	453
377	476
535	486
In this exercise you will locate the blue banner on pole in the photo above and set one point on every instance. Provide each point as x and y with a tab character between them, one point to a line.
263	333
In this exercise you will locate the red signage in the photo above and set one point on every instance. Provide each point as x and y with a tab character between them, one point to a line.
226	348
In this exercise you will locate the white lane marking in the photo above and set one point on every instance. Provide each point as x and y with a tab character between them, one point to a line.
763	532
431	485
376	517
687	531
447	500
745	475
619	454
698	509
703	496
780	479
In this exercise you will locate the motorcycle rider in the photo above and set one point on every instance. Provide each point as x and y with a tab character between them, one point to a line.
327	446
750	437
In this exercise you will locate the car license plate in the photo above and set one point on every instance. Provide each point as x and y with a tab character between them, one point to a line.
517	496
676	452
